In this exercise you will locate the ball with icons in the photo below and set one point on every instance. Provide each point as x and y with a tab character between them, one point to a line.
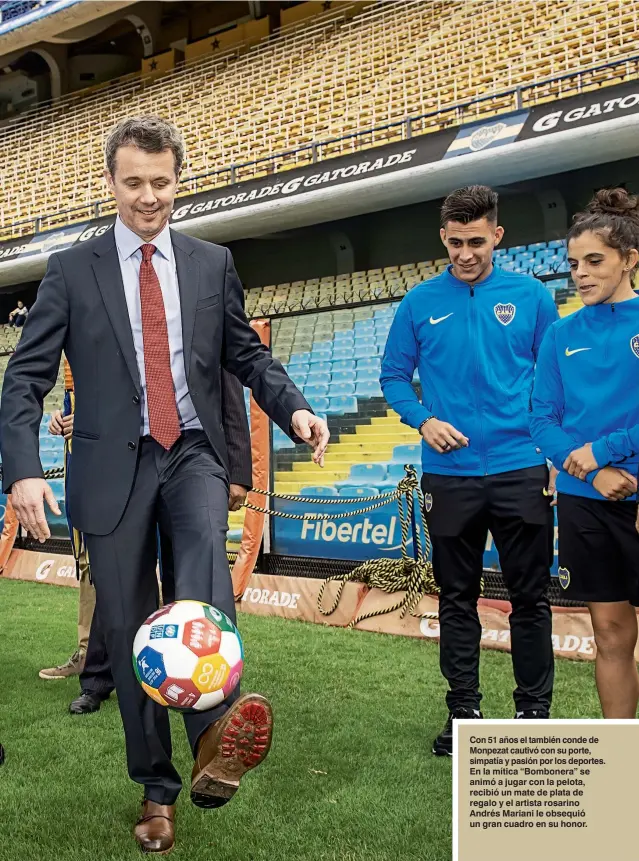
188	656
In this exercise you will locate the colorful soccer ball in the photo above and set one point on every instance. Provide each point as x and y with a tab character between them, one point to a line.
188	656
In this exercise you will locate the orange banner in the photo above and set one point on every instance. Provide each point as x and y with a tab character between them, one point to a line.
296	598
41	567
254	520
9	533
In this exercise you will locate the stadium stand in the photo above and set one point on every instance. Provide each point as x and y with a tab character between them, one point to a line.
392	282
322	79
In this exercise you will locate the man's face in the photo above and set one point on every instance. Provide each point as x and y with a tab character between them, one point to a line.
470	247
144	187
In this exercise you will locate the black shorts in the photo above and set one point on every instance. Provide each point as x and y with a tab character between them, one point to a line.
598	549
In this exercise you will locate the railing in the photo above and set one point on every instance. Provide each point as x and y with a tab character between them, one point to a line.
506	101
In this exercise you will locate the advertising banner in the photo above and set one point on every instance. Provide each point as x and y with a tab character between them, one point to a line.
376	535
376	161
296	598
41	568
586	109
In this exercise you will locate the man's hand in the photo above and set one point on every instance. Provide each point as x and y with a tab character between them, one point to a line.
581	461
615	484
443	437
55	423
61	425
26	498
551	490
314	431
237	495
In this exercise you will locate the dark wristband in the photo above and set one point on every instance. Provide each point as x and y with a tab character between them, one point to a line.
419	429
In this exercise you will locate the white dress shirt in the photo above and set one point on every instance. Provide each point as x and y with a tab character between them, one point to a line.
128	244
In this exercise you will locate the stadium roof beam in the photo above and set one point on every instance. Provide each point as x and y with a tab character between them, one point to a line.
48	27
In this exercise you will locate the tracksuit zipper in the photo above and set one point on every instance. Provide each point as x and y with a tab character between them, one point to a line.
482	449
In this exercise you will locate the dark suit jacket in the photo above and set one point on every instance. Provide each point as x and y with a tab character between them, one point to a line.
236	431
81	309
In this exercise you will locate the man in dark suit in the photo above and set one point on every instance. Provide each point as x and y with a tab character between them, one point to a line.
96	678
147	317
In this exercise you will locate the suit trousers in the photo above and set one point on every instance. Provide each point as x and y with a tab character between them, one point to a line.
184	491
459	512
96	677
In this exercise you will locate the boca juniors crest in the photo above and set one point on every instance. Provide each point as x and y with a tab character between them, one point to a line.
564	577
505	313
634	345
428	501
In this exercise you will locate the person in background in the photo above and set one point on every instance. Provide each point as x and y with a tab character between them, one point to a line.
585	418
474	332
19	314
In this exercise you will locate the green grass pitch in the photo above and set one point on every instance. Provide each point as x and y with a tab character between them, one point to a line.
350	776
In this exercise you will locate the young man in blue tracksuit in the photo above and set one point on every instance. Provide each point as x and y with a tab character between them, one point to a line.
474	332
585	418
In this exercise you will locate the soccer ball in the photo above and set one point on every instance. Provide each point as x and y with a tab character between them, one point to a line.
188	656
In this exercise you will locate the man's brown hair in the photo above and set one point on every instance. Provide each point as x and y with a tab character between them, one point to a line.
470	204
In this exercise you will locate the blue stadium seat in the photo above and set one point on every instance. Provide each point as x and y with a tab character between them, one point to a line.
354	490
343	376
320	367
407	454
321	356
367	375
318	405
299	368
340	406
298	379
537	246
372	473
345	335
319	490
299	358
556	243
343	365
370	362
338	389
281	440
364	341
395	472
315	391
57	486
370	351
516	249
341	353
316	378
369	389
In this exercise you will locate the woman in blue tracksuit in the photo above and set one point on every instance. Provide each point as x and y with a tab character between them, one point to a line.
585	419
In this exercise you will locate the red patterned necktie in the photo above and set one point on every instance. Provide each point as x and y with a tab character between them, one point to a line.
164	421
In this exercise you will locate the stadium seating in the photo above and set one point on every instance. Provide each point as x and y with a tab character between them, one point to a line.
315	82
392	282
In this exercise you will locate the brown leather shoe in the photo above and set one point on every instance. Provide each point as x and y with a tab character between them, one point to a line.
155	829
229	748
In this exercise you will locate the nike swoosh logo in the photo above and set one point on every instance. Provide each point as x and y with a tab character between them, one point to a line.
579	350
439	319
